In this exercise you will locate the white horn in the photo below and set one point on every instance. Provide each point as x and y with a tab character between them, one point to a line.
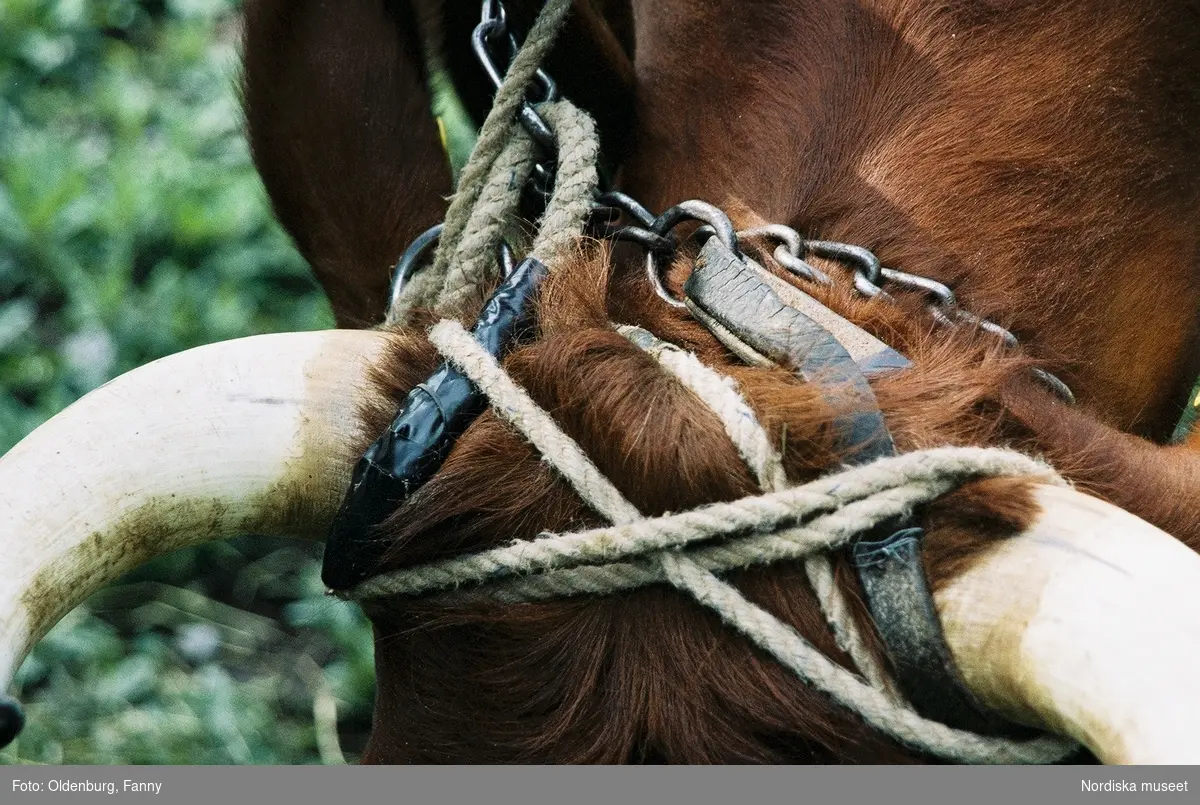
1088	625
253	436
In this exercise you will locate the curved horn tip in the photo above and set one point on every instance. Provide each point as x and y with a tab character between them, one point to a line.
249	436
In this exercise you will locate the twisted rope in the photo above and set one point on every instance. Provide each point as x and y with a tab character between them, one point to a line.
490	184
474	262
680	550
575	181
790	524
720	394
498	128
495	215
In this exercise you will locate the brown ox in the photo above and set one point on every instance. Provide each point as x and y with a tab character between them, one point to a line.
1041	159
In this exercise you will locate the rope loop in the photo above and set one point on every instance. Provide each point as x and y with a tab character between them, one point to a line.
484	209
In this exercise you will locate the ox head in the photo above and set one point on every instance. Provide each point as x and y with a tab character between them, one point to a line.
1062	612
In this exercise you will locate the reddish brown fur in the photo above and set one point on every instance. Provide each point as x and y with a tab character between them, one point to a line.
1042	159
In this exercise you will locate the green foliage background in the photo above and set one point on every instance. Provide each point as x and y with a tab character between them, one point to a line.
133	226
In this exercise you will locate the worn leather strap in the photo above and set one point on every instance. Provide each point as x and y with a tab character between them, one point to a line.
766	321
897	593
759	317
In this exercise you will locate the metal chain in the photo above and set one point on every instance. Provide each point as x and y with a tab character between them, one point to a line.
495	45
491	34
869	277
653	233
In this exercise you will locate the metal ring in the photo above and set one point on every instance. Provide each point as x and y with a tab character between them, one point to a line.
869	289
1009	339
492	10
862	260
796	266
485	30
692	210
603	218
542	181
628	205
549	86
869	274
506	259
650	241
410	261
785	234
653	272
933	287
696	210
787	253
494	24
638	233
538	128
940	316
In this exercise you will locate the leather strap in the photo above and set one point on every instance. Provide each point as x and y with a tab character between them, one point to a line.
763	318
431	418
897	593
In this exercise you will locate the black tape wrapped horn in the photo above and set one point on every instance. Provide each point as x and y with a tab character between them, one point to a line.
434	414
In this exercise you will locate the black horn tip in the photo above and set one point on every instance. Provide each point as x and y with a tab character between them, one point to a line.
12	719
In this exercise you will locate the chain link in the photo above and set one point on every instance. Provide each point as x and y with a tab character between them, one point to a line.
869	277
869	274
491	34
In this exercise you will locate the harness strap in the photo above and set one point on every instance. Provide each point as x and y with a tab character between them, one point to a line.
431	418
897	593
686	549
754	316
821	346
754	445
